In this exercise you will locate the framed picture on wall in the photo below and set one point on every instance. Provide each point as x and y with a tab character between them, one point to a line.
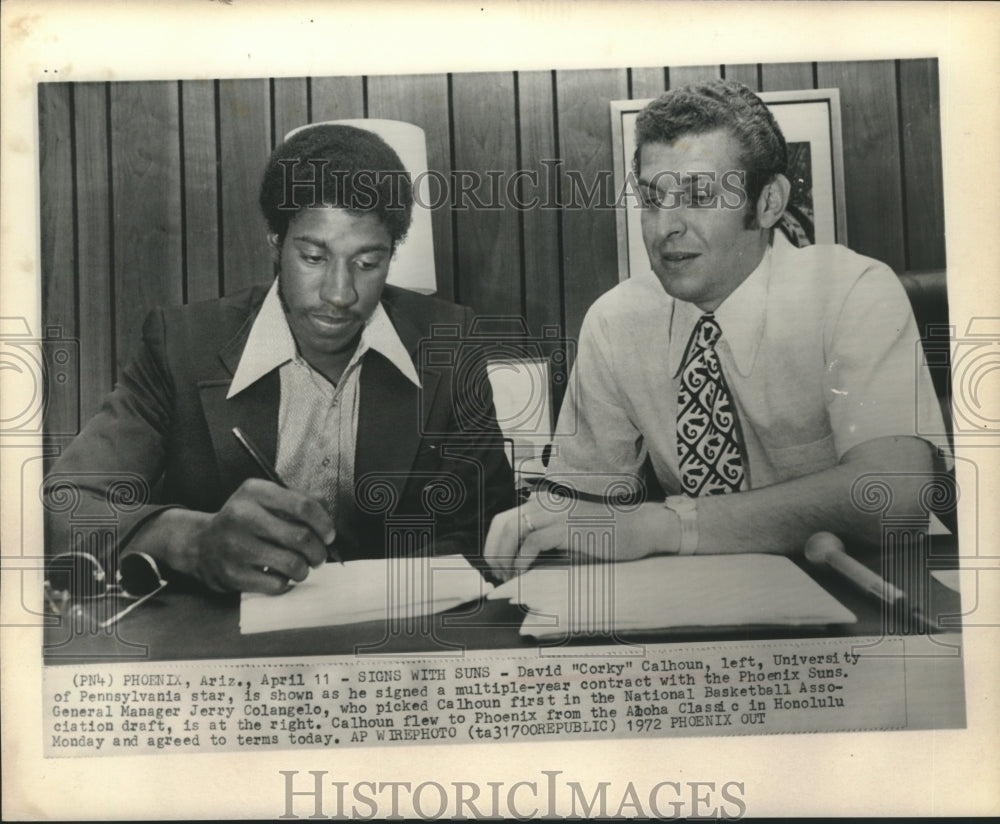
817	211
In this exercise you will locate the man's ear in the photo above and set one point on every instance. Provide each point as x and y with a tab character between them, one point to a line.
274	243
772	201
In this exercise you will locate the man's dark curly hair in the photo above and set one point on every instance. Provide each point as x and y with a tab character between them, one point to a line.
707	107
340	166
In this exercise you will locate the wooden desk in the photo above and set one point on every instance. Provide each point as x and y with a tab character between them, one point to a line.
190	624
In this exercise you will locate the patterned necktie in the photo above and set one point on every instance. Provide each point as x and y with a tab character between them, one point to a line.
707	435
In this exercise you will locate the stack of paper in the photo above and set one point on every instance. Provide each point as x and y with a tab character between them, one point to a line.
668	592
397	589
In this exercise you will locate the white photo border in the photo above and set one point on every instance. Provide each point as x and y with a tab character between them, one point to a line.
935	772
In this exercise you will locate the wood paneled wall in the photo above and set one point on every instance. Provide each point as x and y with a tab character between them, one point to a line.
149	189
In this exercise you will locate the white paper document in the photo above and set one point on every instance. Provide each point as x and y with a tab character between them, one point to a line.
670	592
371	590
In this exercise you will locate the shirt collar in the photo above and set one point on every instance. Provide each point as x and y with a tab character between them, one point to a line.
741	317
270	344
381	336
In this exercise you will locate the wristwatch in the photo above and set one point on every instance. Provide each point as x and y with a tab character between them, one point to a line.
686	510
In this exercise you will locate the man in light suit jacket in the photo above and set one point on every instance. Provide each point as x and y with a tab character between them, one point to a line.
324	373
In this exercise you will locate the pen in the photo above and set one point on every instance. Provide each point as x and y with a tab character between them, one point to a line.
826	549
268	471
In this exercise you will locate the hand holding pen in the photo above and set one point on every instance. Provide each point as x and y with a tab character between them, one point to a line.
265	538
271	474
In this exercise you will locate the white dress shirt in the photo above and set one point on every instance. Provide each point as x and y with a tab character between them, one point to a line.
819	348
317	420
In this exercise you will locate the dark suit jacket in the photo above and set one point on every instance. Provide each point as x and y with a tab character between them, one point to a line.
426	458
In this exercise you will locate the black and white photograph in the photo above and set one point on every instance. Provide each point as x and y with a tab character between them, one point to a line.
368	419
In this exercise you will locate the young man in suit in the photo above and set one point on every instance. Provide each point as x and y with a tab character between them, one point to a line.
323	372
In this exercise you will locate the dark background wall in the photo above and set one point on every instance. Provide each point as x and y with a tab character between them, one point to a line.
149	189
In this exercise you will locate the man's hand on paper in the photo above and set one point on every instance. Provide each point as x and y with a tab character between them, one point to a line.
264	539
517	536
